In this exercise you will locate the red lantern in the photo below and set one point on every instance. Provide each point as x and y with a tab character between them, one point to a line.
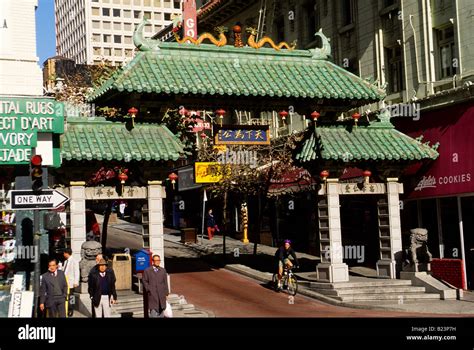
122	177
173	177
367	174
283	115
356	117
237	29
133	112
315	115
324	174
220	112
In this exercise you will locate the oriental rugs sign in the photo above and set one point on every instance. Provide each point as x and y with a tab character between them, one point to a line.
26	122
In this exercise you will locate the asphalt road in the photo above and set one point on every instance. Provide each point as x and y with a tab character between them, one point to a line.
228	294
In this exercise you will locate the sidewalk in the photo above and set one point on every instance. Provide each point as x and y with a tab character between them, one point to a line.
239	258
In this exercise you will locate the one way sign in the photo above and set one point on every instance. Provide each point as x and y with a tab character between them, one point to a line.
46	199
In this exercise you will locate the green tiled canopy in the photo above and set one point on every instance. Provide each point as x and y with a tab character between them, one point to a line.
98	139
376	142
208	70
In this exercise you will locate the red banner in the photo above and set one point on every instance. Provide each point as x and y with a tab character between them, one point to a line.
190	18
453	172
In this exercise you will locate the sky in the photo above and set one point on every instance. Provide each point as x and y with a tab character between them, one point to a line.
45	30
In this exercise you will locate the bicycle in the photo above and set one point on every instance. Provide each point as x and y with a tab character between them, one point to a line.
289	282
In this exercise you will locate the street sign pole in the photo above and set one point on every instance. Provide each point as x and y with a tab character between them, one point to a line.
37	267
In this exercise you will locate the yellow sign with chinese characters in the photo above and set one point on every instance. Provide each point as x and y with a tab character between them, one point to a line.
208	172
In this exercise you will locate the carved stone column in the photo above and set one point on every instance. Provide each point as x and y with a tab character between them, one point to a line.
331	268
78	217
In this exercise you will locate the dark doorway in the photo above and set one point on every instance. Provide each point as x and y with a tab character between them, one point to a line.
359	226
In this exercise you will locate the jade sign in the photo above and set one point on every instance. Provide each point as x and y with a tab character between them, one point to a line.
21	121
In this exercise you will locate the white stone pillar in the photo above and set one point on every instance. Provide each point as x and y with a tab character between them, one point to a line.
156	193
78	217
333	269
386	266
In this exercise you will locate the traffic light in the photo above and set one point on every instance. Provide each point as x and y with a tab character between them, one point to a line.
36	173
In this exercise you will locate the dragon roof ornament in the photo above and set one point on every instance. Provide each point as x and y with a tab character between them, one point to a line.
141	42
323	52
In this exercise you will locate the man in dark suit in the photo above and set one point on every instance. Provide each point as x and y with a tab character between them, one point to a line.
102	289
155	284
53	291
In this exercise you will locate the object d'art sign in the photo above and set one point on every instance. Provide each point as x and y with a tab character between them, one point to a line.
242	135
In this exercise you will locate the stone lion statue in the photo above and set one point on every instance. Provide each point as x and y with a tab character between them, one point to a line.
89	250
418	249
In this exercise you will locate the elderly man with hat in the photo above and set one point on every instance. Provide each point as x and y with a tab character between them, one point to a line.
102	289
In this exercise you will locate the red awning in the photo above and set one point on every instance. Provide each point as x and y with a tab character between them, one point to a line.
296	180
453	172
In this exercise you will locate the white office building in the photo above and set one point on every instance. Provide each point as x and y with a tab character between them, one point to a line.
90	31
20	73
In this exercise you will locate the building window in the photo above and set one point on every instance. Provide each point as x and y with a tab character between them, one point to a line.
310	12
157	16
95	0
95	11
118	52
105	12
96	24
347	13
280	29
147	15
127	13
157	3
96	38
117	26
117	39
167	3
107	38
447	61
106	25
167	16
127	27
136	14
127	39
387	3
97	51
394	69
107	51
137	2
128	53
116	12
177	4
147	3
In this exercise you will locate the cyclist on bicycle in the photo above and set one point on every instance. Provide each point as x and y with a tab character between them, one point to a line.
283	255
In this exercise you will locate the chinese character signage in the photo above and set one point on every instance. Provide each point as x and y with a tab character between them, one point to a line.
208	172
242	135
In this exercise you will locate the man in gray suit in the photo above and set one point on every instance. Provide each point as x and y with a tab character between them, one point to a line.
53	291
155	284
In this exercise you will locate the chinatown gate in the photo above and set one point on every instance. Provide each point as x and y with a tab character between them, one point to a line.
256	81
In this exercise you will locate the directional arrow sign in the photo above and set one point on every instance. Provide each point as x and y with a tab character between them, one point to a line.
46	199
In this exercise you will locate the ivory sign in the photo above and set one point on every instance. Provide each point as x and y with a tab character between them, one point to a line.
21	120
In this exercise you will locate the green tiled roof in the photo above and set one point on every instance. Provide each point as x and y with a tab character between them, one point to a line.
99	139
376	142
208	70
